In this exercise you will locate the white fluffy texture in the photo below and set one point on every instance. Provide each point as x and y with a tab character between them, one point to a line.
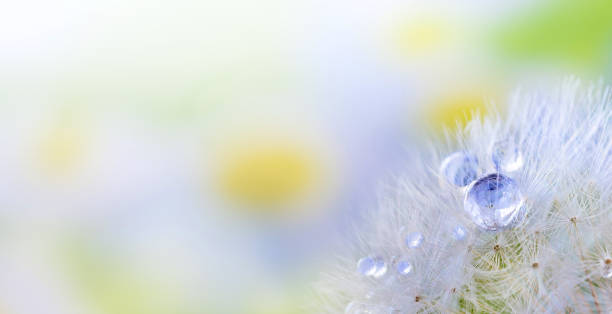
554	261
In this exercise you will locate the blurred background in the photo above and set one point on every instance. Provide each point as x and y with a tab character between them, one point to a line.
200	157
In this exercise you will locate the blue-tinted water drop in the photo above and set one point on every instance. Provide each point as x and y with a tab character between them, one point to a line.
459	232
404	268
459	168
494	202
506	156
414	240
372	266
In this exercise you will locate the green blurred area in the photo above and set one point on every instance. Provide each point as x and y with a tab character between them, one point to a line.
573	33
113	287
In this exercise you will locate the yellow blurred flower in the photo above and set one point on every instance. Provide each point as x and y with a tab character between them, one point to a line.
60	149
269	175
455	110
452	105
424	36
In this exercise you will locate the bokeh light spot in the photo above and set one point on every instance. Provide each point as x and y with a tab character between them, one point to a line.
453	111
424	36
60	150
267	176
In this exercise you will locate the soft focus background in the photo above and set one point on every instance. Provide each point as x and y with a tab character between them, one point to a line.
200	157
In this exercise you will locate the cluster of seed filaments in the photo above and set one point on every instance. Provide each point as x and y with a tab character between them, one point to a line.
461	169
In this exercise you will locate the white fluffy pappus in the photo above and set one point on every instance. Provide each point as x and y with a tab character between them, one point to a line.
554	257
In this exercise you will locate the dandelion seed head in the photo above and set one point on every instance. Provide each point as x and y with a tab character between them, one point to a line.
535	219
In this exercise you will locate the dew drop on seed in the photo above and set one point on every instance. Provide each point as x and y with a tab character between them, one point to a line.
404	268
355	307
459	168
494	202
506	156
381	269
366	266
372	267
459	232
414	240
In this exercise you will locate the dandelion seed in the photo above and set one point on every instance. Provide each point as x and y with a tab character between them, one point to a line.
607	268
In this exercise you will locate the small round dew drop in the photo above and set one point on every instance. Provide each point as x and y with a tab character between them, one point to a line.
459	232
506	156
356	308
414	240
404	268
459	168
494	202
372	267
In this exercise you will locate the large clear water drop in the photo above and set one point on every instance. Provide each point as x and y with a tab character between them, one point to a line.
494	202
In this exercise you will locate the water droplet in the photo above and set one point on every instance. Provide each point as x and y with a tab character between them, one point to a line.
372	266
459	168
355	307
404	268
459	232
381	270
414	240
607	268
506	156
494	202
